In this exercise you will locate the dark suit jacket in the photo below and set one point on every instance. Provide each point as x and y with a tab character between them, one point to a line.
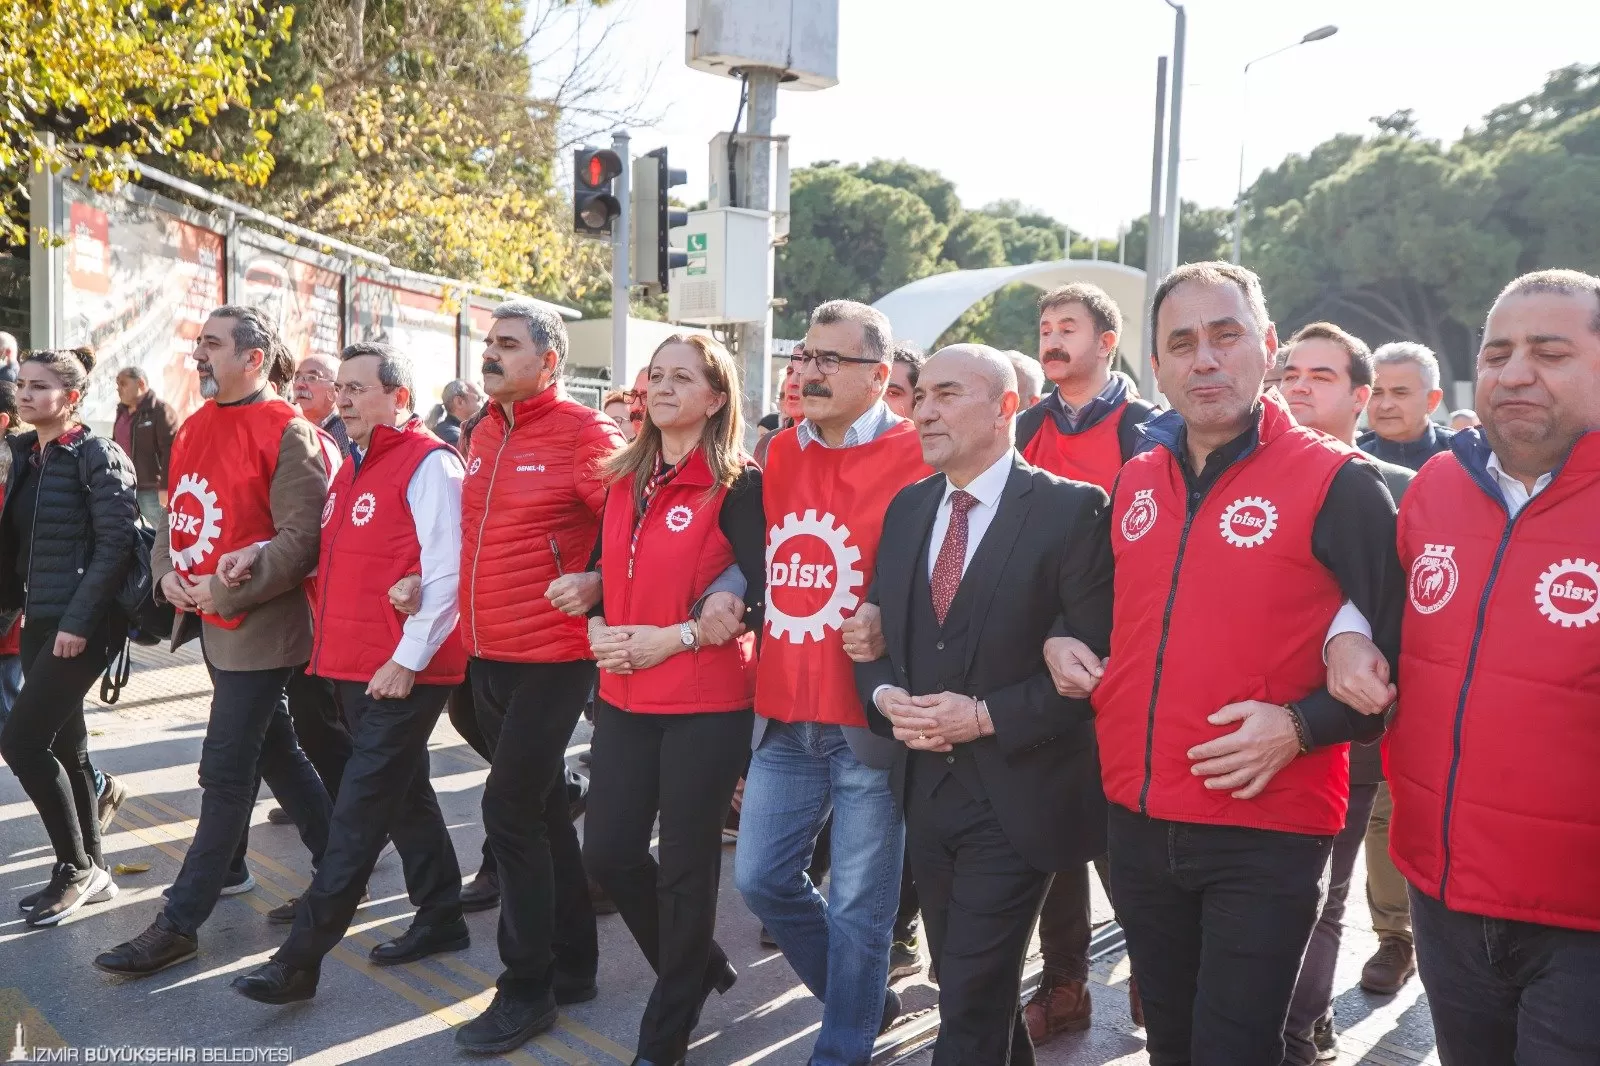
1044	562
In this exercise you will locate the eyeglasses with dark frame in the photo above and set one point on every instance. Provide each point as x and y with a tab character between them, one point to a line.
827	362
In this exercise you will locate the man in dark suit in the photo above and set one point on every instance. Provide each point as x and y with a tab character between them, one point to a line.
997	773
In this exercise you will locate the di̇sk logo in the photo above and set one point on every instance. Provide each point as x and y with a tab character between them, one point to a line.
327	508
678	519
1249	521
363	509
194	521
1433	578
1568	593
812	579
477	462
1140	517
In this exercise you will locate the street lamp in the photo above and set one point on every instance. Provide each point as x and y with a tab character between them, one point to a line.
1321	34
1179	33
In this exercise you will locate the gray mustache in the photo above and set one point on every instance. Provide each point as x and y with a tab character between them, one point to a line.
816	388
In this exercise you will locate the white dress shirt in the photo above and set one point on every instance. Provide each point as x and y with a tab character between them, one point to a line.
434	496
1512	490
986	488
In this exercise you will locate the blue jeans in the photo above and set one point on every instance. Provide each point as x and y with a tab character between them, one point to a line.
838	946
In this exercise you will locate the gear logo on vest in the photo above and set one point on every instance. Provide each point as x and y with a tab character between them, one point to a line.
477	464
363	509
327	508
194	521
1140	517
812	579
1249	521
1568	593
678	518
1433	578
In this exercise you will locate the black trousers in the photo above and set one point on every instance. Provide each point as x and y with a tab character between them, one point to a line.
1506	993
464	717
527	712
46	743
385	792
319	726
979	902
684	767
1217	919
1066	920
1313	993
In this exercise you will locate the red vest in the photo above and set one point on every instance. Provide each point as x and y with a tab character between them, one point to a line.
369	541
655	578
219	485
1227	606
1493	750
825	510
1095	455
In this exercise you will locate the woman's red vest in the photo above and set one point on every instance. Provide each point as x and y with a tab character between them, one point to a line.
655	579
1493	751
1227	606
825	510
1095	455
219	489
369	541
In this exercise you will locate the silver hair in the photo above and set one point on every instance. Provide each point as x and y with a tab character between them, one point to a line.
1030	376
8	343
395	370
452	392
135	372
877	336
545	328
1418	355
996	366
1559	282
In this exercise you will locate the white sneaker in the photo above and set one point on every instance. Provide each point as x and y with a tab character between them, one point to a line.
67	893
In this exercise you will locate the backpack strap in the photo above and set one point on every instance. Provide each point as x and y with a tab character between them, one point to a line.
1135	413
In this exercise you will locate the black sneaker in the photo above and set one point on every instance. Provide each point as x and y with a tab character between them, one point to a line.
68	890
239	882
1325	1040
506	1025
154	949
279	816
904	959
110	802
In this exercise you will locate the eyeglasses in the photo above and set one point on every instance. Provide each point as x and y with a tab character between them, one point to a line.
312	379
633	396
355	392
827	362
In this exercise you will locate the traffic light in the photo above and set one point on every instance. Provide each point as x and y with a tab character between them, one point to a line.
653	218
594	206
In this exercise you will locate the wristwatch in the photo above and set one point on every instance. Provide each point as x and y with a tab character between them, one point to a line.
687	635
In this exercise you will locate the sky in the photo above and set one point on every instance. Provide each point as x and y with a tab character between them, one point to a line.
1051	102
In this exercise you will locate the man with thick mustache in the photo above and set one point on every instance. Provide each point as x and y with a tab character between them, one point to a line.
531	508
314	391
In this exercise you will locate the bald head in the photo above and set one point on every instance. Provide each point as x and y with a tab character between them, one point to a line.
966	404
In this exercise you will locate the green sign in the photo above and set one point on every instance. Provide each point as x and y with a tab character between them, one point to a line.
696	249
697	242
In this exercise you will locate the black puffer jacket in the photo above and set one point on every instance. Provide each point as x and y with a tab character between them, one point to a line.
83	534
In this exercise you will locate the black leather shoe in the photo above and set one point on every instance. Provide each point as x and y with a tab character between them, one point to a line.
277	982
154	949
570	988
482	893
637	1061
718	979
506	1025
420	941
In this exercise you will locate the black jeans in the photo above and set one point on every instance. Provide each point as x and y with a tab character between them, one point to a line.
683	766
979	902
464	717
385	792
1504	992
1065	922
1313	993
249	734
1217	919
319	726
527	712
46	743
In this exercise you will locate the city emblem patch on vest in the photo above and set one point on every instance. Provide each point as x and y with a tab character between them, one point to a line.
1140	517
1433	578
678	518
1249	521
812	579
327	508
194	521
363	509
1568	593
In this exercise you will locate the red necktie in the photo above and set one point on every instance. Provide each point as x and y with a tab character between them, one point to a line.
952	554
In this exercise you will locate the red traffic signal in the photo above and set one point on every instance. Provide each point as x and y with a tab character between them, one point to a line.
594	206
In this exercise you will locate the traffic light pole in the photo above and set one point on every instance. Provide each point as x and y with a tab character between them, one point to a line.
621	254
755	338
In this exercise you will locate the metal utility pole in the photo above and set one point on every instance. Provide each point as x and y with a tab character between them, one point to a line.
755	338
621	256
1152	242
1170	242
